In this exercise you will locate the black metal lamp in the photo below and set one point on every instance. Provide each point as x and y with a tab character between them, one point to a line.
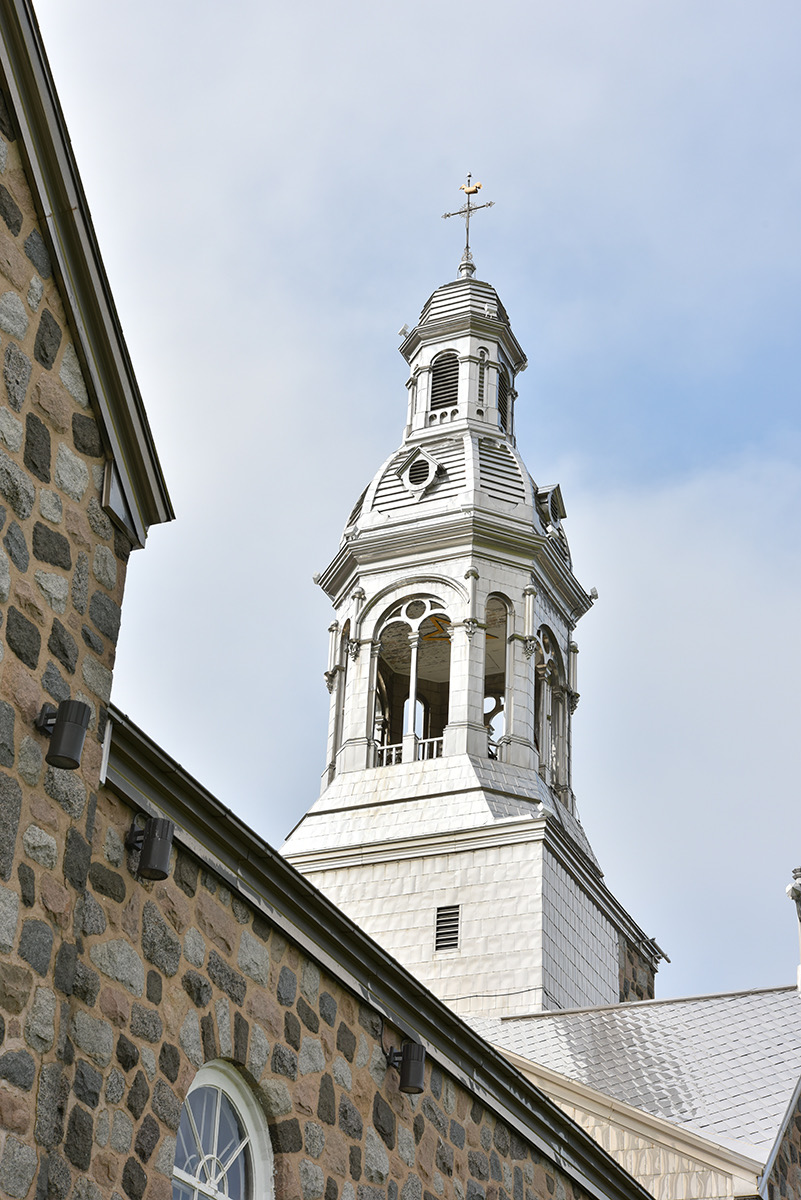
410	1060
154	844
66	727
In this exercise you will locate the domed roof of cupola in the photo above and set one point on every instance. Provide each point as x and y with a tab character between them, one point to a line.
465	305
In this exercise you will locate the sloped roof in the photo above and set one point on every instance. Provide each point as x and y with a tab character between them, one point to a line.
724	1066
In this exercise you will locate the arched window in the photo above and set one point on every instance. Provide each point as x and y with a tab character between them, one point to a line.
445	381
495	673
503	398
413	662
223	1146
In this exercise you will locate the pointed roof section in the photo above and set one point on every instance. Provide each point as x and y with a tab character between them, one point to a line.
135	493
465	306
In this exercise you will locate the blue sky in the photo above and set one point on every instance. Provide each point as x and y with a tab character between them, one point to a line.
267	184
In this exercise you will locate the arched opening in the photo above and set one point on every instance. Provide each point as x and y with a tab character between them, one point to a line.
394	670
551	711
495	672
412	681
222	1147
445	381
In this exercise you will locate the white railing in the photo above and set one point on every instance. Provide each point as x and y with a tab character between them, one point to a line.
389	755
429	748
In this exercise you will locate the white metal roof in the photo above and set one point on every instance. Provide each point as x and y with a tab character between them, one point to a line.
722	1066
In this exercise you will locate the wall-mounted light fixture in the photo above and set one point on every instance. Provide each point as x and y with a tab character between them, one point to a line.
66	727
154	844
410	1061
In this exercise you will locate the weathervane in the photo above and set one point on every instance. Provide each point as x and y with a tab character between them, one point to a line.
470	189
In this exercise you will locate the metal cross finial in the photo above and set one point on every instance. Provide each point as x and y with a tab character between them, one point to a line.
470	189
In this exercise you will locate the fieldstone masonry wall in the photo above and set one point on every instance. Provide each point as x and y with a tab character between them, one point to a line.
785	1178
636	973
114	991
62	563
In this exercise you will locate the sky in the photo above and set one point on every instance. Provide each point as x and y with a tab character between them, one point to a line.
267	184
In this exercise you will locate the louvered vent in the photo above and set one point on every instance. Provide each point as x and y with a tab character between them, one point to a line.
503	399
445	382
447	934
419	471
481	373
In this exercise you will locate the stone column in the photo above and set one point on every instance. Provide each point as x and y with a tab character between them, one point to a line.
372	688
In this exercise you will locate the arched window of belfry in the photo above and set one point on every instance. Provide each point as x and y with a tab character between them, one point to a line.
495	672
413	669
551	712
445	381
223	1148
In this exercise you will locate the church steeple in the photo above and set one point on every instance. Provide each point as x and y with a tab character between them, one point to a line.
446	825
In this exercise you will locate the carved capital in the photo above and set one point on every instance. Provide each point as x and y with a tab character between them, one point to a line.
353	648
470	627
330	679
529	646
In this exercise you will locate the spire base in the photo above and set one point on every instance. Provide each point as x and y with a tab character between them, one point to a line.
467	268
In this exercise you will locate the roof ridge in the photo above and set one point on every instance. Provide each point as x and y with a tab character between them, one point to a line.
623	1006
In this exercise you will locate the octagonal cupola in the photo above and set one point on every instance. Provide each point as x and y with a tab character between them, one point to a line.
464	361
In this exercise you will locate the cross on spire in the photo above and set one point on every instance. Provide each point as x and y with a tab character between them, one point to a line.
470	189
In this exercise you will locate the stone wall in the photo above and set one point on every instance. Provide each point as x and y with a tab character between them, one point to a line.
784	1182
62	564
636	973
114	991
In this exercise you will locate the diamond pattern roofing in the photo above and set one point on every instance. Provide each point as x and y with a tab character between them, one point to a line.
722	1066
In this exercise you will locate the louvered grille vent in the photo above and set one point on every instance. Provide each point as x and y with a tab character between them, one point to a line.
503	399
447	934
481	372
445	382
419	471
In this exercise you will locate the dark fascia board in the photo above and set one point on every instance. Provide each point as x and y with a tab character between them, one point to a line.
144	777
68	230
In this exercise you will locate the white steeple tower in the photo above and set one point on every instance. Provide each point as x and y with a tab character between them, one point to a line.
447	826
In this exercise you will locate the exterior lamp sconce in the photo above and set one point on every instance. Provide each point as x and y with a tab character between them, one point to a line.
154	843
410	1061
66	727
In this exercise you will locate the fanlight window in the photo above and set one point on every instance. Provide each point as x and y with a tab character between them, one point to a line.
445	382
222	1149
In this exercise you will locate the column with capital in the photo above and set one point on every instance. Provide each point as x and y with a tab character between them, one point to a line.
409	735
465	732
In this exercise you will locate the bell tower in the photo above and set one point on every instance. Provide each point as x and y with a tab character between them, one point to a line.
446	825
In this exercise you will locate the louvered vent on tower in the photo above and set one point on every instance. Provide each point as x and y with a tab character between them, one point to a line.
503	398
447	931
445	382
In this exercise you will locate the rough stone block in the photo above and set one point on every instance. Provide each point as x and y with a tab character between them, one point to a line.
87	1084
93	1036
23	638
106	616
159	944
54	683
72	377
18	1164
138	1095
37	451
17	1068
54	588
104	567
226	979
16	374
166	1105
36	945
119	961
71	473
77	855
146	1023
37	253
13	318
15	544
50	546
80	582
48	339
15	487
40	1023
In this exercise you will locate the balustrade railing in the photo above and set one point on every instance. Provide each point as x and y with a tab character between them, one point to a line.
429	748
389	755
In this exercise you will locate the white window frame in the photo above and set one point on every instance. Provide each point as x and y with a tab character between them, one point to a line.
224	1075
